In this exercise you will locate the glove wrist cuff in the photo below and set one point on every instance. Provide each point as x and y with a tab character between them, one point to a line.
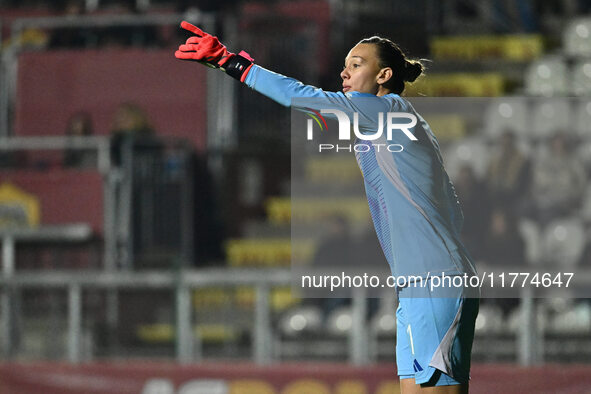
239	65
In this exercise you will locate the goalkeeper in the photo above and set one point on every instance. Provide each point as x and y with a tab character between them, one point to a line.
413	204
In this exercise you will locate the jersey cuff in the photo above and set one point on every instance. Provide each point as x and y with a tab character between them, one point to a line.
251	77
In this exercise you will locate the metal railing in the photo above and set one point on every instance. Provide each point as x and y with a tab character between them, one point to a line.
116	237
101	145
183	282
188	348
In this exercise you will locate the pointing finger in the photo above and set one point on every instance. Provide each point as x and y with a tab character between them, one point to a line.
192	28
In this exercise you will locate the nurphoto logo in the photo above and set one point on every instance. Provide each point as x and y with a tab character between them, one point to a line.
392	124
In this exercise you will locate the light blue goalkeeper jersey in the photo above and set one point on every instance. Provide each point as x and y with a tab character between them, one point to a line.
413	204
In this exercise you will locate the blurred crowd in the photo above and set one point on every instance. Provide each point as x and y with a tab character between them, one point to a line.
547	186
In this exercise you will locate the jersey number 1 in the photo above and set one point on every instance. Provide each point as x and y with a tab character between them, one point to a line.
412	346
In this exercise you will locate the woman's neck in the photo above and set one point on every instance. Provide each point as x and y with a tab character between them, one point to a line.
382	91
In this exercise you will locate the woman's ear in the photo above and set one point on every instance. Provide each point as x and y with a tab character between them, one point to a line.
384	75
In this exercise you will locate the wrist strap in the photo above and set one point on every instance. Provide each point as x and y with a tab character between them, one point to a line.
238	66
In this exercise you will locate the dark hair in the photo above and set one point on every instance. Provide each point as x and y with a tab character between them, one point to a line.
390	55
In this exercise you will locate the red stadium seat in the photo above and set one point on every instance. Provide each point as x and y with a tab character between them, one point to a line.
172	92
66	196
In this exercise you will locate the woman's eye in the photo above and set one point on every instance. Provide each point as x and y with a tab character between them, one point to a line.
355	65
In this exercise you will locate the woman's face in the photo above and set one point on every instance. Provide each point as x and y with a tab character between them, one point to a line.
362	72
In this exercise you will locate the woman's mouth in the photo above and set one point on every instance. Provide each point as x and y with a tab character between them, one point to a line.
346	88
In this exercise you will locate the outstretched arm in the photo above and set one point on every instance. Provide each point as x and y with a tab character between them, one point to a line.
282	89
207	49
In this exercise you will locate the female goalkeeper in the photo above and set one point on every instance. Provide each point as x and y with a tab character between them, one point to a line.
412	202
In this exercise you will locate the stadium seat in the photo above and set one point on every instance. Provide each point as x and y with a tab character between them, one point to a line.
384	323
161	333
515	320
506	113
338	169
472	151
175	111
340	321
550	116
54	189
564	241
490	320
547	77
580	82
300	320
306	210
575	319
267	252
576	38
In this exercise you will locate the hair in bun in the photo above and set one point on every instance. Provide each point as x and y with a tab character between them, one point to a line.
390	55
414	69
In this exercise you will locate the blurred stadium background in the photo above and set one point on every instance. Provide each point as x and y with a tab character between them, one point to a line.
145	202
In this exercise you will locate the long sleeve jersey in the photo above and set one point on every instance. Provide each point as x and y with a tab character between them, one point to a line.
413	204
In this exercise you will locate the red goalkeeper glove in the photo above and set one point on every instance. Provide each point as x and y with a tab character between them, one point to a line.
207	49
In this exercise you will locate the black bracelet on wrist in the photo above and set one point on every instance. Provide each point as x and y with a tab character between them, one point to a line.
236	66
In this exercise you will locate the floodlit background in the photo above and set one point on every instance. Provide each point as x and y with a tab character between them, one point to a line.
145	202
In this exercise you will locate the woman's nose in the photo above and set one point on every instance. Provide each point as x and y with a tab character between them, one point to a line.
344	74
